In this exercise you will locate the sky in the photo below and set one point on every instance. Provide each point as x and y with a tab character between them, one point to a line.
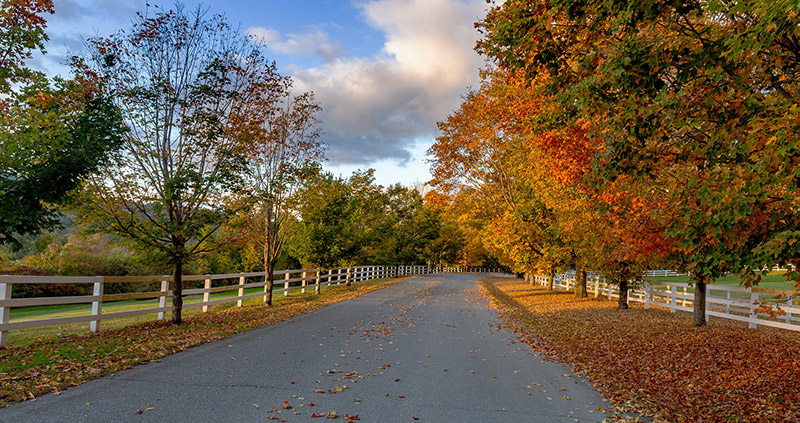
384	71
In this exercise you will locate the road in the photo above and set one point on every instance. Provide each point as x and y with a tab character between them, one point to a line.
428	349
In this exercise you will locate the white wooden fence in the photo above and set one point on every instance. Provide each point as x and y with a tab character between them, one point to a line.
727	302
466	269
291	279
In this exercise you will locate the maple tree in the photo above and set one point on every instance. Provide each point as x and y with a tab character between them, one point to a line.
22	31
475	161
187	85
696	99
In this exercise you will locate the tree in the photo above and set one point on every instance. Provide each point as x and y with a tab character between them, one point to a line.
187	85
406	228
286	149
476	160
51	135
326	236
697	100
22	30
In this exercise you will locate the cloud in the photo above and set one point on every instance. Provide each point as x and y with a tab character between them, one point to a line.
377	108
267	36
76	20
315	42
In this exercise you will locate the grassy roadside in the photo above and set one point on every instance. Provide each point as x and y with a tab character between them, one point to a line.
773	280
65	310
655	362
54	361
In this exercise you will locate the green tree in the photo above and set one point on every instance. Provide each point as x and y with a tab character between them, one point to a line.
325	236
405	229
51	134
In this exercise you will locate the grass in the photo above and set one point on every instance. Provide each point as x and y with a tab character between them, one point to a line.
42	360
25	337
66	310
773	280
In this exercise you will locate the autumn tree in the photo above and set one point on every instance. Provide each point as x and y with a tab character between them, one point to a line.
698	99
52	134
186	83
477	159
285	150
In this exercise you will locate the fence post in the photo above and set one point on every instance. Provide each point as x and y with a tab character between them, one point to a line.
752	322
647	294
206	293
338	276
240	301
303	283
318	287
97	305
683	299
673	301
5	312
330	276
349	275
162	300
728	304
286	284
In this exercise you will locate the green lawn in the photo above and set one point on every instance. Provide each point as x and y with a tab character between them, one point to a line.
65	310
26	336
773	280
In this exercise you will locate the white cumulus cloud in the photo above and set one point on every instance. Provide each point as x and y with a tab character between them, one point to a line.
379	107
314	41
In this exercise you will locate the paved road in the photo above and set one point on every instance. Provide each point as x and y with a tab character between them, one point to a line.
427	350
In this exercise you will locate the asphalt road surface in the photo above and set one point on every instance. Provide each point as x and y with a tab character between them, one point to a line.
428	349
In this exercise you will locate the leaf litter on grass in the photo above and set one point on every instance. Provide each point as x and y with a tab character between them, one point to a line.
655	362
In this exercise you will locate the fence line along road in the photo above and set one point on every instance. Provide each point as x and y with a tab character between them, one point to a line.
730	302
301	279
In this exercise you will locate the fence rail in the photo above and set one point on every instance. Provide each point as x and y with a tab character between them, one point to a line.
301	279
466	269
727	302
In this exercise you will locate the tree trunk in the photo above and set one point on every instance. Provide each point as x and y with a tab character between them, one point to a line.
623	293
551	279
269	279
269	263
580	284
699	301
177	293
